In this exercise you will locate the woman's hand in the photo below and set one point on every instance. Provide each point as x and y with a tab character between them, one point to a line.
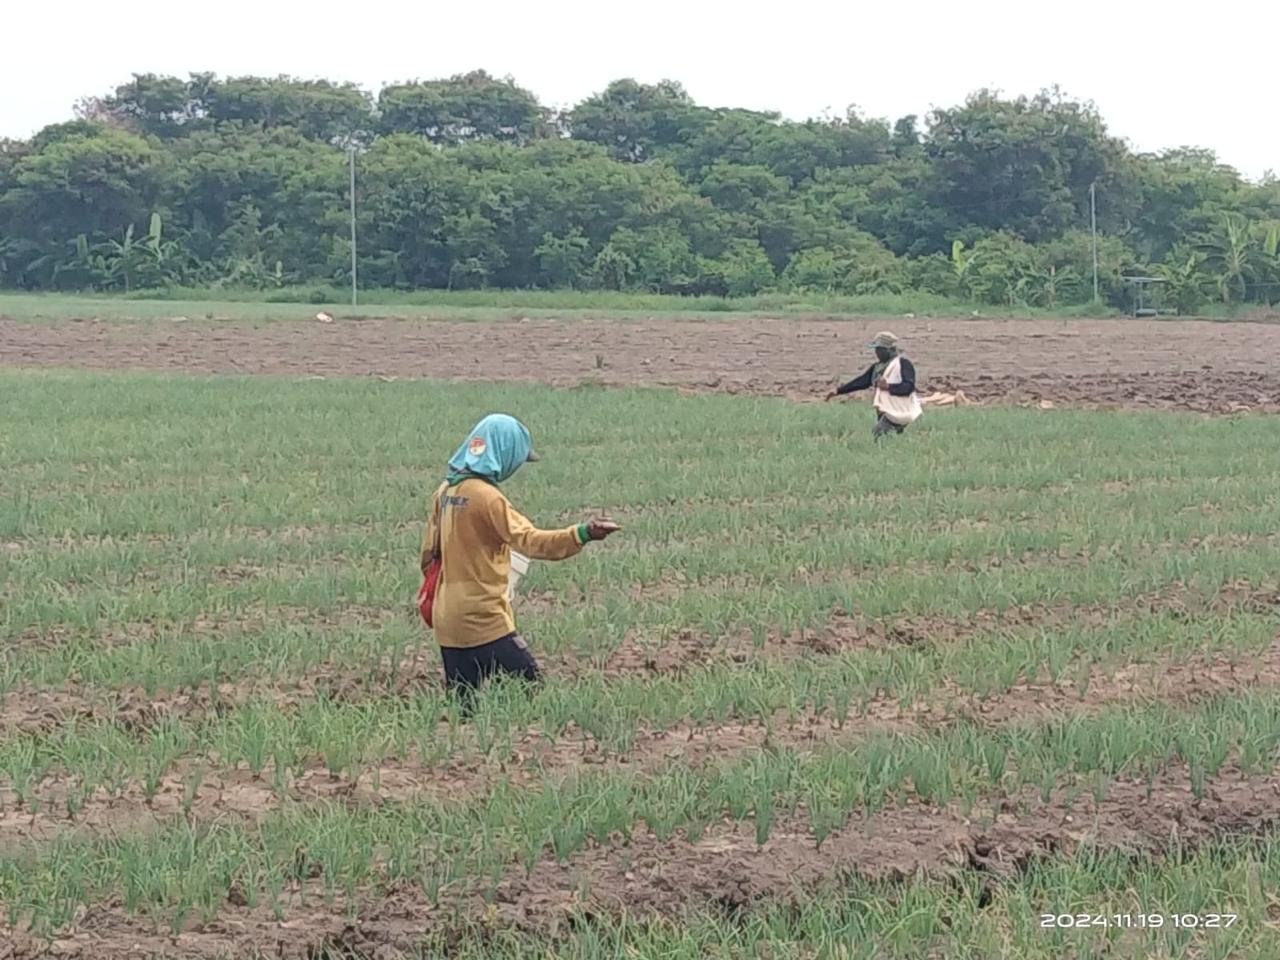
600	527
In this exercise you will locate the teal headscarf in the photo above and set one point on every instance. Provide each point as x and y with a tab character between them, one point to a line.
495	449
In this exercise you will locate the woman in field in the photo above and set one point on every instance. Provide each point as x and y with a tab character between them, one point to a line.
473	528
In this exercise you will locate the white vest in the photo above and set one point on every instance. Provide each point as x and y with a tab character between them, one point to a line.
899	410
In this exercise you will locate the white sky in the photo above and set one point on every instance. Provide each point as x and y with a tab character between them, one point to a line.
1163	74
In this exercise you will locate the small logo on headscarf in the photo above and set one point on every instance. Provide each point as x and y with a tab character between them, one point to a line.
477	447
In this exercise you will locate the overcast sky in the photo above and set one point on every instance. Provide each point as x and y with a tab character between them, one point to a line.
1163	74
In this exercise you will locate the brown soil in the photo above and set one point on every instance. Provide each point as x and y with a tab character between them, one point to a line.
726	866
724	869
199	790
32	710
245	617
1181	364
1160	365
844	632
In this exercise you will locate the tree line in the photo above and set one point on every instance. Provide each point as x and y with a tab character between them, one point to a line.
470	182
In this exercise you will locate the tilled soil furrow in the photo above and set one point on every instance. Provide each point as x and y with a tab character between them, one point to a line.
30	709
724	869
993	361
197	789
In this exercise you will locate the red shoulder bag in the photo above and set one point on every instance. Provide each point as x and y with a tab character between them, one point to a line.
427	592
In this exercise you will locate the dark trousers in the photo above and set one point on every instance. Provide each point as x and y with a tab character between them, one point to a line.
465	668
884	426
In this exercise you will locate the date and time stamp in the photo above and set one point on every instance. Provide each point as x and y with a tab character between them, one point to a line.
1138	921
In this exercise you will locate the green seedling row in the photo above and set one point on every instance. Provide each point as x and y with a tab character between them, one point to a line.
254	543
348	737
468	844
965	917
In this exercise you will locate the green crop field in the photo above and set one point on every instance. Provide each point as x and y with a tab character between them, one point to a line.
252	306
820	698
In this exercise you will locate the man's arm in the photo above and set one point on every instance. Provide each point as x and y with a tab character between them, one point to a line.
908	385
862	382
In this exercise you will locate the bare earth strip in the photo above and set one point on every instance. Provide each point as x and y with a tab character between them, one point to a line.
32	710
724	868
1180	364
240	794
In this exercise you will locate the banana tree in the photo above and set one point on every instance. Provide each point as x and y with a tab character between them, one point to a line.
1229	255
26	264
84	268
160	262
961	264
1048	286
8	260
123	259
1268	272
1186	286
151	261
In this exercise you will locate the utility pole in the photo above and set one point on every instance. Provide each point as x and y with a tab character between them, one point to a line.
1093	228
351	154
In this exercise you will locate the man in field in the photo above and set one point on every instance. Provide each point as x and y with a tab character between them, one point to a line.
893	379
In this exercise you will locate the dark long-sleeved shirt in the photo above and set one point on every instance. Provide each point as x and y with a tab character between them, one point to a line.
869	376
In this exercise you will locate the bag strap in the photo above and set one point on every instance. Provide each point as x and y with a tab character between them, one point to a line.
437	515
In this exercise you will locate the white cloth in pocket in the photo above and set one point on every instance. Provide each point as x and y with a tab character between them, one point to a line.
519	567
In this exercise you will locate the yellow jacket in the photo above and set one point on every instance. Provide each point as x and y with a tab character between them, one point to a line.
478	530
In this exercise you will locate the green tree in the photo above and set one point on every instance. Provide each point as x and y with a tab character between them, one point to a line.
1048	285
84	268
168	107
728	136
563	260
747	191
933	274
863	266
743	270
798	151
317	109
655	259
469	181
1023	166
1186	285
412	195
1228	256
1000	269
1268	262
613	268
1073	252
1182	193
816	270
464	108
124	259
159	106
472	248
95	183
635	121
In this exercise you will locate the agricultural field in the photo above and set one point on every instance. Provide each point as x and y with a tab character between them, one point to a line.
820	698
1197	365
